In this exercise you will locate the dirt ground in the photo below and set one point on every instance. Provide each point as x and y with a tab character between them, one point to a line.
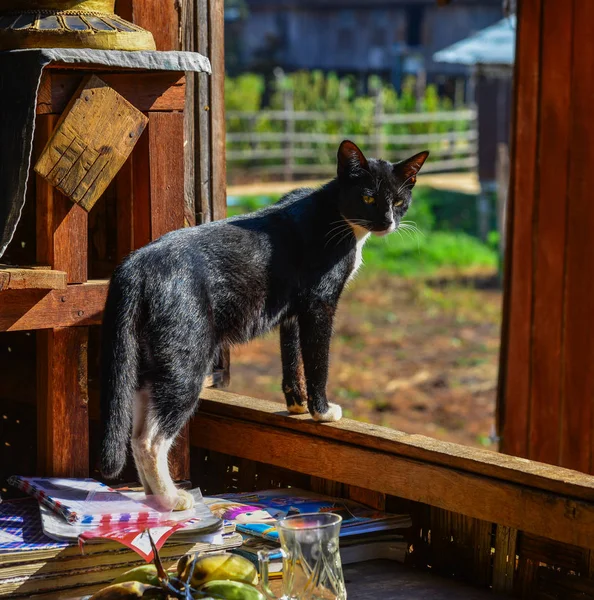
417	356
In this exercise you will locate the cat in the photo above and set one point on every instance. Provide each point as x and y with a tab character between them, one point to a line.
174	303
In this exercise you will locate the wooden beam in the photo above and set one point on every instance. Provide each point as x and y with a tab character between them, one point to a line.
160	91
548	514
475	461
77	305
31	278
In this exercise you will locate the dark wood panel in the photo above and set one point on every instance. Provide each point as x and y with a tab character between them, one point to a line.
549	225
578	352
160	91
518	320
63	423
166	155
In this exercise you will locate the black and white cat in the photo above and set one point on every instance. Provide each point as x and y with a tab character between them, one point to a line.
174	303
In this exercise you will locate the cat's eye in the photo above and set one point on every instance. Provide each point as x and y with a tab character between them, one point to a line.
368	199
399	203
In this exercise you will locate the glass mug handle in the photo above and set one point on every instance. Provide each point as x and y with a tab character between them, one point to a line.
264	562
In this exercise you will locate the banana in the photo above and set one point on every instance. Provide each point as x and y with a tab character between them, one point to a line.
217	567
144	574
129	590
231	590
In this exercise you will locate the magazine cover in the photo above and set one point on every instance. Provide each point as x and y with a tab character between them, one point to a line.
255	513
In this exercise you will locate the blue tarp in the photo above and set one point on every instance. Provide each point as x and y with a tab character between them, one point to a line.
494	45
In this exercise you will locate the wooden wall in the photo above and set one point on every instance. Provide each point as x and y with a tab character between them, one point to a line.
547	364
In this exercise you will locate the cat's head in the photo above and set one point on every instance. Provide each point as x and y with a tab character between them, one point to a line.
375	194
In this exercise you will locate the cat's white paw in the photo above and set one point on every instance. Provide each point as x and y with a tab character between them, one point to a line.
180	500
297	409
185	500
334	413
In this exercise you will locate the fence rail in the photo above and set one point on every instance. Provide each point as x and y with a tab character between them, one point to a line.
289	143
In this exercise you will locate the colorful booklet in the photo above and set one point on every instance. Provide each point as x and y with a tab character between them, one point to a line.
87	501
255	513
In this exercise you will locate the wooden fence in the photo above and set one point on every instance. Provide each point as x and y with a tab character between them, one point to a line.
290	144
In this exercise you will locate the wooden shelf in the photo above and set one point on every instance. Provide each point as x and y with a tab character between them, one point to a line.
31	278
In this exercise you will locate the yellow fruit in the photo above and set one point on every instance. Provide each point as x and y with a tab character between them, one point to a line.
130	590
217	567
231	590
144	574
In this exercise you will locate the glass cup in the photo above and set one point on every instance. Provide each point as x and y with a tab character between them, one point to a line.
311	561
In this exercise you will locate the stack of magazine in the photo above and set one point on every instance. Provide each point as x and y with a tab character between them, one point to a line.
80	535
365	534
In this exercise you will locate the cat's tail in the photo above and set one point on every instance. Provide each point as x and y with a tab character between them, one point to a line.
120	356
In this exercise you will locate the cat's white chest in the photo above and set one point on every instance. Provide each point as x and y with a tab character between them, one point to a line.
361	236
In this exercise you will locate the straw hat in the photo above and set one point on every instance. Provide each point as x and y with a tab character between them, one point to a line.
68	24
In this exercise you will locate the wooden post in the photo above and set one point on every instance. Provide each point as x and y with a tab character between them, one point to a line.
62	387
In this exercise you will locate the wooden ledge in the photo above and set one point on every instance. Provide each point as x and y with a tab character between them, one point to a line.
31	278
542	500
75	305
465	458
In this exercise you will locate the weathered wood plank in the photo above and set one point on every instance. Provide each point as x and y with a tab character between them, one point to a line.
445	454
518	304
549	257
31	279
91	141
77	305
63	426
578	347
161	91
555	516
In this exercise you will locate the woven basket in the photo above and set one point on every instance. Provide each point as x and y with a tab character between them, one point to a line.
68	24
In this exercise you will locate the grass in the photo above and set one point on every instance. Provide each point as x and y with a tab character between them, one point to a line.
447	220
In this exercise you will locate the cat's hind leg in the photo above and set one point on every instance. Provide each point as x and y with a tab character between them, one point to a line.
293	376
152	445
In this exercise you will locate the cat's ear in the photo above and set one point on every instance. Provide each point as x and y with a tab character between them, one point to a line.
408	169
351	161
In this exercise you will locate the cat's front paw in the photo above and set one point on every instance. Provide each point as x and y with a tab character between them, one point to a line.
296	399
334	413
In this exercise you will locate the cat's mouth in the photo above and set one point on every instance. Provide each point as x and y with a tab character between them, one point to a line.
382	232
